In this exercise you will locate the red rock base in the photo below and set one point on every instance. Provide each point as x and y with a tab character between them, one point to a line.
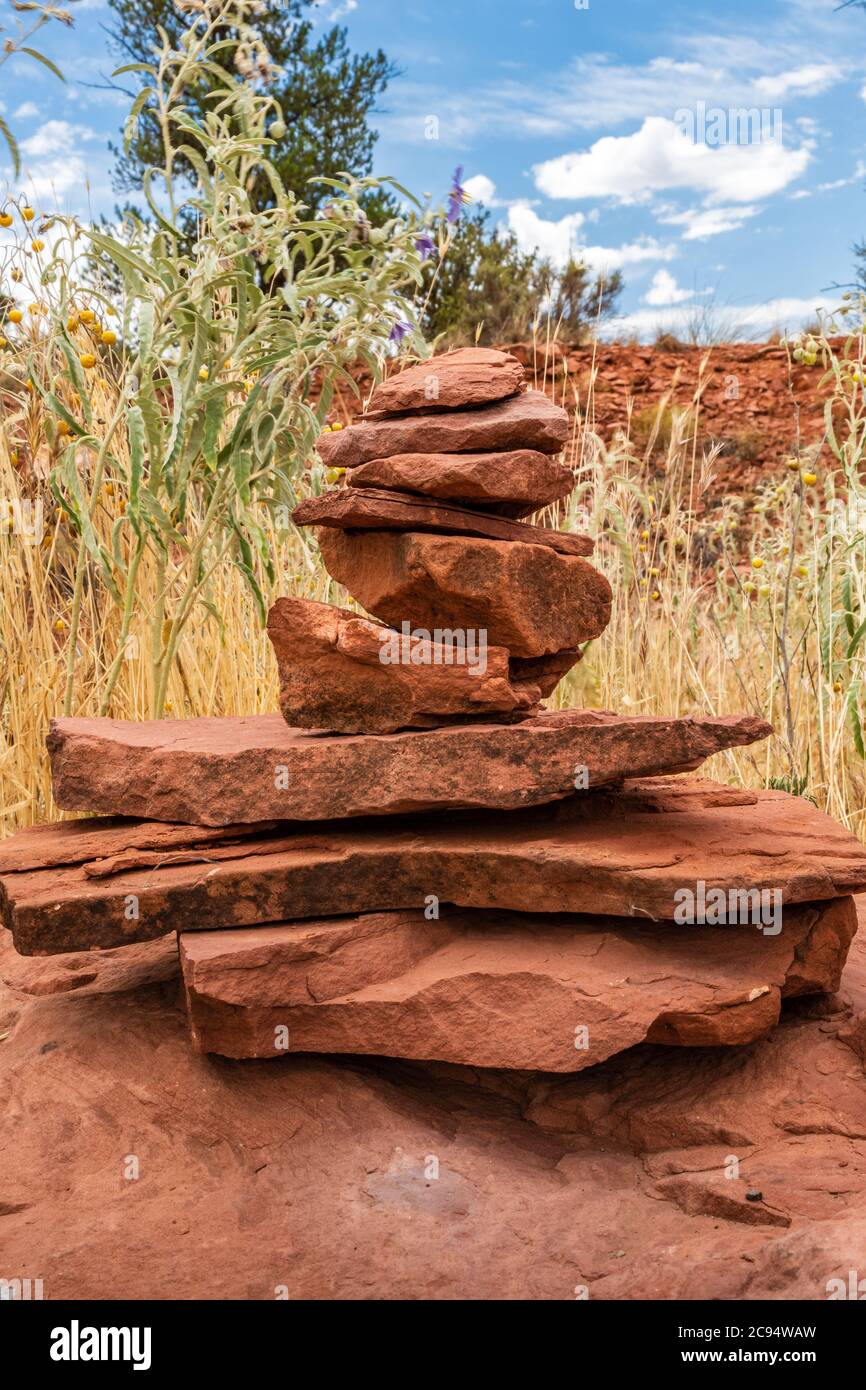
366	1179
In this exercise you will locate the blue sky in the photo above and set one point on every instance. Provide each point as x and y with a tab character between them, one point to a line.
581	128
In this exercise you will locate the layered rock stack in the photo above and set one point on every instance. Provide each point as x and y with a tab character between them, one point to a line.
486	612
418	860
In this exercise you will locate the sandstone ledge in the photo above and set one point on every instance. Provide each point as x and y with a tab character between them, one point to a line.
496	989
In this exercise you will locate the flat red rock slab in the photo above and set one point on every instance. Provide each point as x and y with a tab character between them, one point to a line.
350	508
515	482
524	597
502	989
526	421
343	673
465	377
612	853
58	844
216	771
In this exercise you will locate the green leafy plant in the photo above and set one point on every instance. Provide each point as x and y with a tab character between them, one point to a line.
226	354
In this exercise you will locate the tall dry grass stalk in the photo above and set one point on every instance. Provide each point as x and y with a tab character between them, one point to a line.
753	604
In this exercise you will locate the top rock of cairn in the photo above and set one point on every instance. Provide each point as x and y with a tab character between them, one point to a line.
466	377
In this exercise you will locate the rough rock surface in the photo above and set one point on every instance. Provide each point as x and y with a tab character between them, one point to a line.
526	421
218	771
516	482
497	989
545	671
332	676
353	509
467	376
526	597
617	853
242	1162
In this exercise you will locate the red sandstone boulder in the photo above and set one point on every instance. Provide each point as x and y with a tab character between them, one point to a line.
342	673
514	482
631	852
465	377
377	510
497	989
455	1182
220	772
525	597
526	421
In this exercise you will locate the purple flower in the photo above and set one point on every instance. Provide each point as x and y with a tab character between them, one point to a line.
425	245
399	331
457	195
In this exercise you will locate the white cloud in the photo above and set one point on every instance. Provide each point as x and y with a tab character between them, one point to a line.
55	137
668	65
806	81
335	9
27	111
558	241
701	223
665	290
631	253
752	321
52	179
659	156
59	174
858	176
831	185
481	189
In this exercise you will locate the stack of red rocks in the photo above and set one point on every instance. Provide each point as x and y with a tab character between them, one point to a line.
487	612
575	900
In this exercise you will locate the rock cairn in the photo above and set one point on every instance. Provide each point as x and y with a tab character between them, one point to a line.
418	859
